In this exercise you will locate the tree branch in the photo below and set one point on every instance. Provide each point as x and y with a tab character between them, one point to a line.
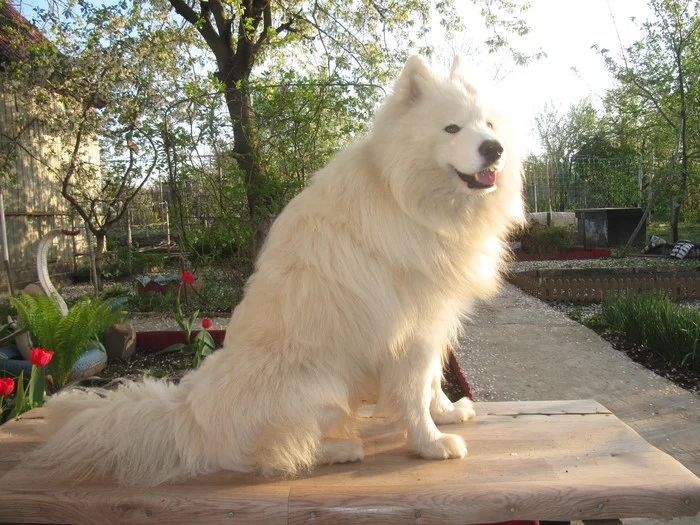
223	24
203	26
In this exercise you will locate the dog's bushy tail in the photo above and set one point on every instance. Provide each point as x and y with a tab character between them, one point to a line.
130	434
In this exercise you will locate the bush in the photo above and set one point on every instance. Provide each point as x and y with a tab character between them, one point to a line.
224	238
538	238
667	329
117	263
151	302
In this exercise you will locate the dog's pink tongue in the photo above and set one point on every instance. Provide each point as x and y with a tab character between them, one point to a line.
487	177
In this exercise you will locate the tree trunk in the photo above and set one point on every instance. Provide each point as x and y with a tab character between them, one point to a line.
246	146
675	213
101	241
236	55
676	210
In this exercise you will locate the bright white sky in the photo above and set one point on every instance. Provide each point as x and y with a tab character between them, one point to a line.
566	30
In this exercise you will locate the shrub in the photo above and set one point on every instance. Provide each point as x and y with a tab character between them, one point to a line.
538	238
667	329
68	336
151	302
117	262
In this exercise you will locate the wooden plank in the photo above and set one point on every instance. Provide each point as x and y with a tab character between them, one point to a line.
547	460
574	406
465	503
99	504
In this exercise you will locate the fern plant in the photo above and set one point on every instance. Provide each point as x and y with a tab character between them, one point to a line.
68	336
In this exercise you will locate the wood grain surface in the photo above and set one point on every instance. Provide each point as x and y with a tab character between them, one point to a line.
551	460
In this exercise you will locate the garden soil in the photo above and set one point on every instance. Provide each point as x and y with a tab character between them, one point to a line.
516	347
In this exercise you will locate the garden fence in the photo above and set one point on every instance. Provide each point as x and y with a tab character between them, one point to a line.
585	182
588	290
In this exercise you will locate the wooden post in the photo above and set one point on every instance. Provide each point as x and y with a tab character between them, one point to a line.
91	255
5	251
167	225
129	239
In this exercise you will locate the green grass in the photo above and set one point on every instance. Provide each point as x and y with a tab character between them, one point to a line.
689	231
669	330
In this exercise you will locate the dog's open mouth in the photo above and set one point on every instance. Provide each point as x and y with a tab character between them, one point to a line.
479	181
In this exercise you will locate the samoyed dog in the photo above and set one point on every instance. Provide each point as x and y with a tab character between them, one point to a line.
362	284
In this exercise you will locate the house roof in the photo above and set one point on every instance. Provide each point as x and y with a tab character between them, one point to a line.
17	34
19	38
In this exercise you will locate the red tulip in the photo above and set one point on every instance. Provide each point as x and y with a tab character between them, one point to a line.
206	323
187	277
40	357
7	385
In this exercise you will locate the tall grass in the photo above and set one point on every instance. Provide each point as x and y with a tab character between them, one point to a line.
669	330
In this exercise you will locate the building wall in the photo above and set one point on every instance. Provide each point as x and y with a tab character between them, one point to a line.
33	204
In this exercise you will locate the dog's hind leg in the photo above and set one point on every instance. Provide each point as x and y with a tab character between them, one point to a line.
335	450
409	383
338	445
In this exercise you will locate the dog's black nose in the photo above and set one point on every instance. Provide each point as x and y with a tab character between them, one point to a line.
491	150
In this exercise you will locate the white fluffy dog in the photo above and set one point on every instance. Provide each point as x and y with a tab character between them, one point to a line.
362	283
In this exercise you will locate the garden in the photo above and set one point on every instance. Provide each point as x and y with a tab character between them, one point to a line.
651	308
170	319
169	191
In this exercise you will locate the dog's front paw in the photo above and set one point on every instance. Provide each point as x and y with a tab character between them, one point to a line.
447	446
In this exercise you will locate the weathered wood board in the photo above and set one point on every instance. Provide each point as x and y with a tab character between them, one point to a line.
558	460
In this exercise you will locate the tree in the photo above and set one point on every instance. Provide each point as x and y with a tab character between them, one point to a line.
660	72
608	173
101	77
561	135
354	42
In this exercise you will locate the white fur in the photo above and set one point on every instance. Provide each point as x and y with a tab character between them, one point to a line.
362	282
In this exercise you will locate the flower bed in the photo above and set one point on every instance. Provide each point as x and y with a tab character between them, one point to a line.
164	284
151	341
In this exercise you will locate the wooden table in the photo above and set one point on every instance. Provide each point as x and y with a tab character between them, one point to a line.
558	460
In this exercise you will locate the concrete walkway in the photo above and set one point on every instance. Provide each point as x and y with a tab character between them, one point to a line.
516	347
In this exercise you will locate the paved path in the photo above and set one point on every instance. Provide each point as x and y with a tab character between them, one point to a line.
516	347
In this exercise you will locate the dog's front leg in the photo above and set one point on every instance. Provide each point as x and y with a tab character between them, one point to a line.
409	382
442	410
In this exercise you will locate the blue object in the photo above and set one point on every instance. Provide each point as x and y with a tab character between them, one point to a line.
14	367
9	352
93	356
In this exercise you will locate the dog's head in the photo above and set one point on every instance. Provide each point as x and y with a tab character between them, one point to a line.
444	148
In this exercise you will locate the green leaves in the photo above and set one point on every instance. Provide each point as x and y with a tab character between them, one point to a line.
670	330
203	344
654	105
21	404
69	336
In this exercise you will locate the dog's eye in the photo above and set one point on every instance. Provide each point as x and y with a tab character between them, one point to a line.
489	125
452	128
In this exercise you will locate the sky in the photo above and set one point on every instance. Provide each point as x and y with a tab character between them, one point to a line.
565	30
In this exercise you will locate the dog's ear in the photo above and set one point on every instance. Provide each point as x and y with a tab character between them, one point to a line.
457	73
414	80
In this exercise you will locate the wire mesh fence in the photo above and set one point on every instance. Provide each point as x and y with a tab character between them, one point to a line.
585	182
